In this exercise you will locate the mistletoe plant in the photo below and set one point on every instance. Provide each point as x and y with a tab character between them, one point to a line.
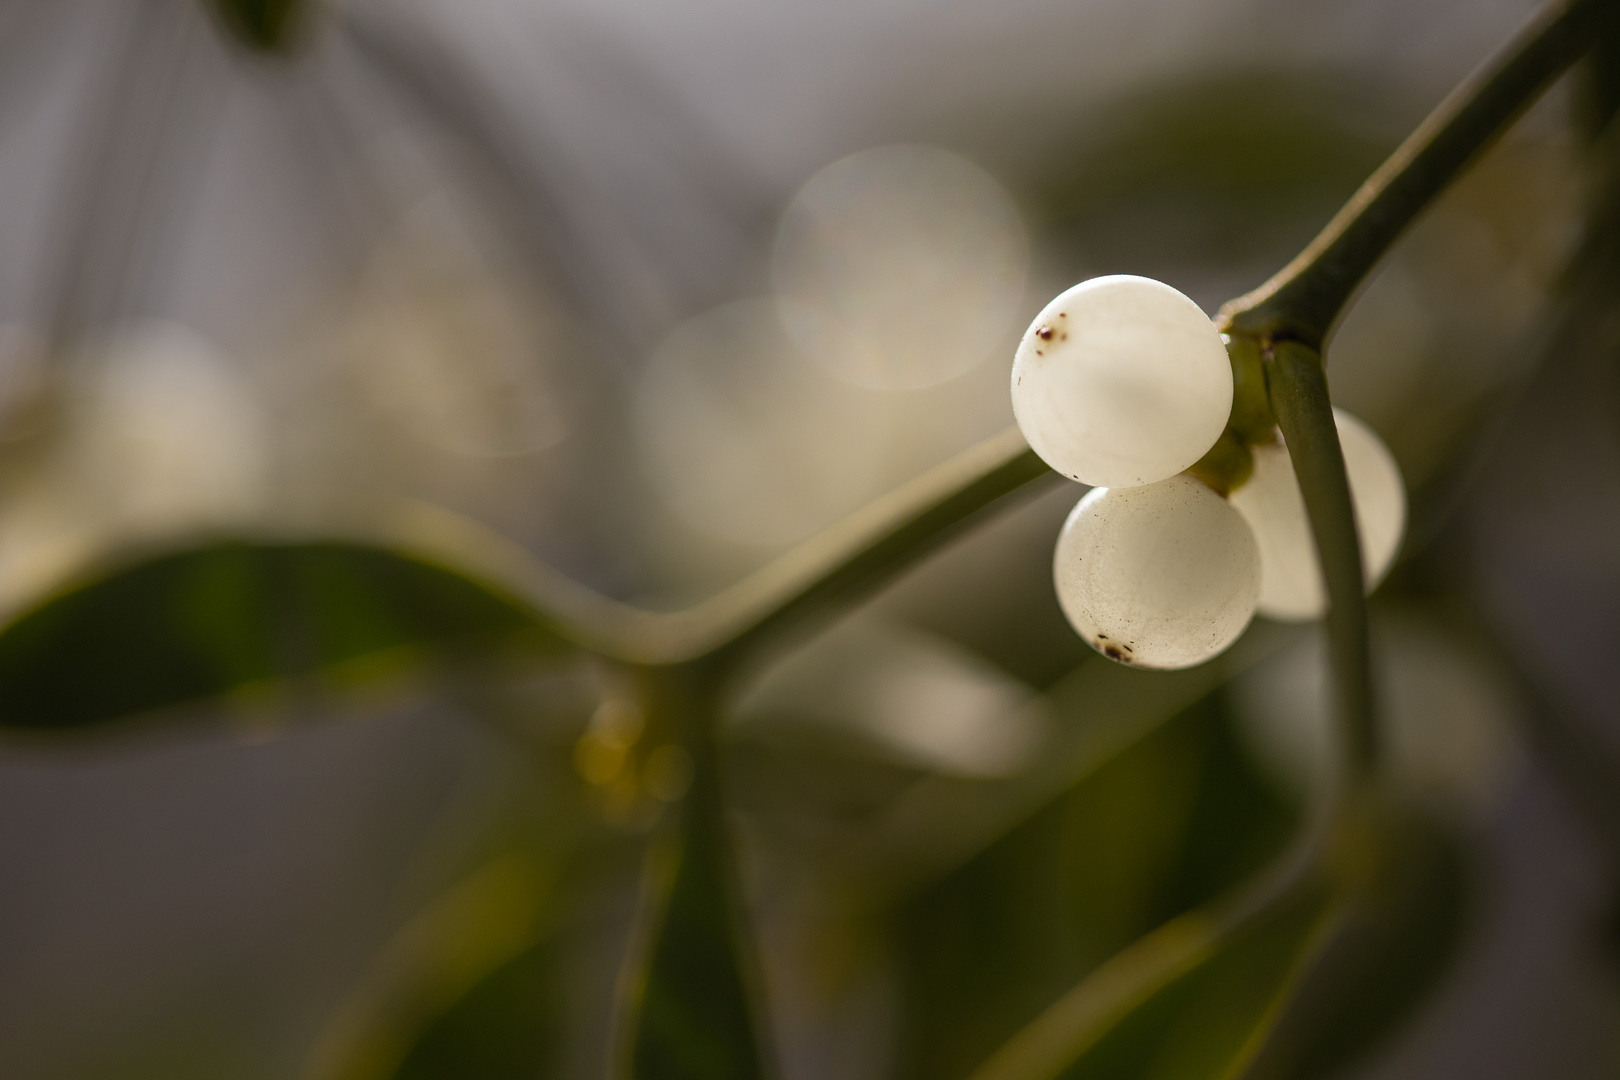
1287	975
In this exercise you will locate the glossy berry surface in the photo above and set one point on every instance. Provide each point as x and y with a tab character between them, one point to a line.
1164	575
1121	381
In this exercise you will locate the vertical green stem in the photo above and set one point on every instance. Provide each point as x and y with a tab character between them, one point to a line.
700	1017
1299	398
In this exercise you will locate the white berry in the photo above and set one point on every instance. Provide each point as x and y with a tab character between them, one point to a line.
1121	381
1291	584
1161	576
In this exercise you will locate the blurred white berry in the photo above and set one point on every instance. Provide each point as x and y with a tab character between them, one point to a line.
1291	583
1121	381
1161	576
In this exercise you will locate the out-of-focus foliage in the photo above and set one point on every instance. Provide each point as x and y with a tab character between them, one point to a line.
1209	1021
694	1015
1405	901
237	617
1600	78
1170	823
475	985
263	25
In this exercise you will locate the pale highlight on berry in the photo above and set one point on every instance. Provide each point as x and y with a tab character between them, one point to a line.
1291	584
1160	576
1121	381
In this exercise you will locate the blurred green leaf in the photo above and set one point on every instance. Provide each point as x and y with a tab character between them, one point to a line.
1176	818
506	1028
1191	1001
472	987
1405	912
233	618
265	26
695	1020
1303	986
1600	76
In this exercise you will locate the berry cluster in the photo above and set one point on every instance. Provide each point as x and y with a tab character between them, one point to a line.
1123	383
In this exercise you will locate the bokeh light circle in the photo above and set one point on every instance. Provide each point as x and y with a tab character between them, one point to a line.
900	267
747	442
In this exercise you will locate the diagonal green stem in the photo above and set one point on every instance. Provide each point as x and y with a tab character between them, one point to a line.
865	550
830	571
1303	299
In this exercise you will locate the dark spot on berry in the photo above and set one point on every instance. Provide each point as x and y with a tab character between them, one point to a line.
1044	333
1113	653
1039	353
1102	637
1063	314
1065	337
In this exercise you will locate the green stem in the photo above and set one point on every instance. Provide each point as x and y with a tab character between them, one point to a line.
835	568
1299	398
862	552
1303	299
698	1004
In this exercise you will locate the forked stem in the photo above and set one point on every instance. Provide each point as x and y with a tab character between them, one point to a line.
1288	319
1303	300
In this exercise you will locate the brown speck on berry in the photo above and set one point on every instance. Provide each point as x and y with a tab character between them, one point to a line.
1044	333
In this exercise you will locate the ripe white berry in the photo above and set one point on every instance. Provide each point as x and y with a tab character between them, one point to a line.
1161	576
1121	381
1291	584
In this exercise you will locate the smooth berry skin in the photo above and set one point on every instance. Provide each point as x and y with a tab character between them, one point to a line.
1164	575
1121	381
